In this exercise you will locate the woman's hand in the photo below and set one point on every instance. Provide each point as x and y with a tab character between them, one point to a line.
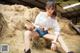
42	26
30	26
53	46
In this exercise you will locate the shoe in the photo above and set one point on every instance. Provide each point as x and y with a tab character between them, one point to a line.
70	52
29	51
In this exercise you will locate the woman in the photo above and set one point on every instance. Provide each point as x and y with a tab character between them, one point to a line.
45	21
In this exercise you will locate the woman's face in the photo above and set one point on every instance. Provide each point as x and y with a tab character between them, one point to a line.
50	11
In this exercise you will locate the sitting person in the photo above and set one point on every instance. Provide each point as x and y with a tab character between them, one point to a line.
43	22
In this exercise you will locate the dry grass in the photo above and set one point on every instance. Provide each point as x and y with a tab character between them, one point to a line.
15	16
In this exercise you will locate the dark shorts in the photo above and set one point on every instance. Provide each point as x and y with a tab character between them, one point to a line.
40	32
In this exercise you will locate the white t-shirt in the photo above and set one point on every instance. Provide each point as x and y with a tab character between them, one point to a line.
48	22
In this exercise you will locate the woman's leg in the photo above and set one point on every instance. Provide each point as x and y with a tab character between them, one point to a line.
27	36
62	43
49	36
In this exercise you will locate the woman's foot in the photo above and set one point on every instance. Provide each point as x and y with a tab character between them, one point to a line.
29	51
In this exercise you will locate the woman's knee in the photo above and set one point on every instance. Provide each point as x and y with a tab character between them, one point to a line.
28	32
49	36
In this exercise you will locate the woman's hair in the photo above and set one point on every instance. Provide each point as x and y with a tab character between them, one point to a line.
52	4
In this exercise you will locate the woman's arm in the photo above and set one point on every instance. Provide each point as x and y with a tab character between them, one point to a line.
39	21
56	30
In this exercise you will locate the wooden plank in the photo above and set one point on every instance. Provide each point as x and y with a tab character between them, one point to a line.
75	28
